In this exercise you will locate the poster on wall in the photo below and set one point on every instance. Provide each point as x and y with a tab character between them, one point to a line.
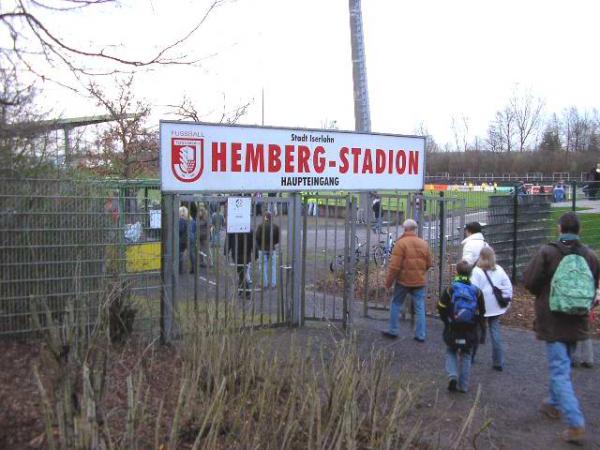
200	157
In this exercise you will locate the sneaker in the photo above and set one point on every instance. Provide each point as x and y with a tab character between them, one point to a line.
550	411
419	340
574	435
389	335
498	368
587	365
452	385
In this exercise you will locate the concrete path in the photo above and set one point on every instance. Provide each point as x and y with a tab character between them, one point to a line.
591	206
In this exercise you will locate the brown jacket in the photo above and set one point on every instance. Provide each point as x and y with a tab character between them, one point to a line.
550	326
410	261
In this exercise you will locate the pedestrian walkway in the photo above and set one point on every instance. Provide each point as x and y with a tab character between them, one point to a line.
509	399
587	206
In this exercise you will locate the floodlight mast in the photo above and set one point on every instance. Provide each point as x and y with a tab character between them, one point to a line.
362	113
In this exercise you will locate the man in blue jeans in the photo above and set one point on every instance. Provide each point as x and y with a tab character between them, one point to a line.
560	330
410	261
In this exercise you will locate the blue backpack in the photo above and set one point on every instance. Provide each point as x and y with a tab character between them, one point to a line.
464	305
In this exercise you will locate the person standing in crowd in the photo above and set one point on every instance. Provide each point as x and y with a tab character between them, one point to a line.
473	243
377	213
199	235
559	192
217	222
313	205
462	309
240	247
272	205
407	273
487	275
267	239
183	234
593	185
563	276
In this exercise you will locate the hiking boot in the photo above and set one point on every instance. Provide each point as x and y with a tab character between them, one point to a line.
574	435
549	411
452	385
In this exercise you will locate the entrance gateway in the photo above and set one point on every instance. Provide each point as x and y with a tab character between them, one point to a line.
305	179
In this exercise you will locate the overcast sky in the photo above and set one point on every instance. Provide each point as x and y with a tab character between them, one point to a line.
426	60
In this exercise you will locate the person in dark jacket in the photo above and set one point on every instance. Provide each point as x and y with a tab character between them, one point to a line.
460	338
183	234
560	331
267	240
377	214
199	236
240	247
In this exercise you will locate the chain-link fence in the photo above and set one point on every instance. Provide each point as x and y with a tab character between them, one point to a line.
69	245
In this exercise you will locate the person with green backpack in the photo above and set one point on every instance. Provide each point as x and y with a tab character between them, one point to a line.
563	276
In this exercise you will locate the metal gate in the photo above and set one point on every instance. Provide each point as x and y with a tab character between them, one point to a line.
326	264
440	220
328	261
345	260
211	275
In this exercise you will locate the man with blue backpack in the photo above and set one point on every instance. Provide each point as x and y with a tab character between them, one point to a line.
462	309
563	276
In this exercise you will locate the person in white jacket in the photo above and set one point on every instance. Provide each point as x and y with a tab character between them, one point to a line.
493	311
473	243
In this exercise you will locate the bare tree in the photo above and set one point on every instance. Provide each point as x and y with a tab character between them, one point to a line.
430	144
460	128
25	25
26	142
127	147
571	125
503	127
526	114
494	139
187	110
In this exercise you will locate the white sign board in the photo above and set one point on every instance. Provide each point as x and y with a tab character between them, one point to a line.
238	214
155	218
221	158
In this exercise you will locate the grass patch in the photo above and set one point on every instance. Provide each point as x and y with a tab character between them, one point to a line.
590	226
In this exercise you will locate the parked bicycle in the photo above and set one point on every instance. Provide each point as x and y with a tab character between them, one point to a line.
337	264
382	251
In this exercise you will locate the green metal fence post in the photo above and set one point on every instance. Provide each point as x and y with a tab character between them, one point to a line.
442	238
515	232
573	195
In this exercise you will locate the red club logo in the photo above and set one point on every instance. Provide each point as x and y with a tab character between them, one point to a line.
187	158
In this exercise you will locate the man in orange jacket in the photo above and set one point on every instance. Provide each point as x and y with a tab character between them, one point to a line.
411	259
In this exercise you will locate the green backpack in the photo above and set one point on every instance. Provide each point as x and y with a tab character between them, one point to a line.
572	289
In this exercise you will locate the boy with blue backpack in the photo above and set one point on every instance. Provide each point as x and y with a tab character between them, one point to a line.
462	309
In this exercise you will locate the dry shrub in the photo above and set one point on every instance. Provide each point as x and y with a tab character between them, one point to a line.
234	388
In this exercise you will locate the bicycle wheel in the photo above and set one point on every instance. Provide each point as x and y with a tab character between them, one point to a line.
379	255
